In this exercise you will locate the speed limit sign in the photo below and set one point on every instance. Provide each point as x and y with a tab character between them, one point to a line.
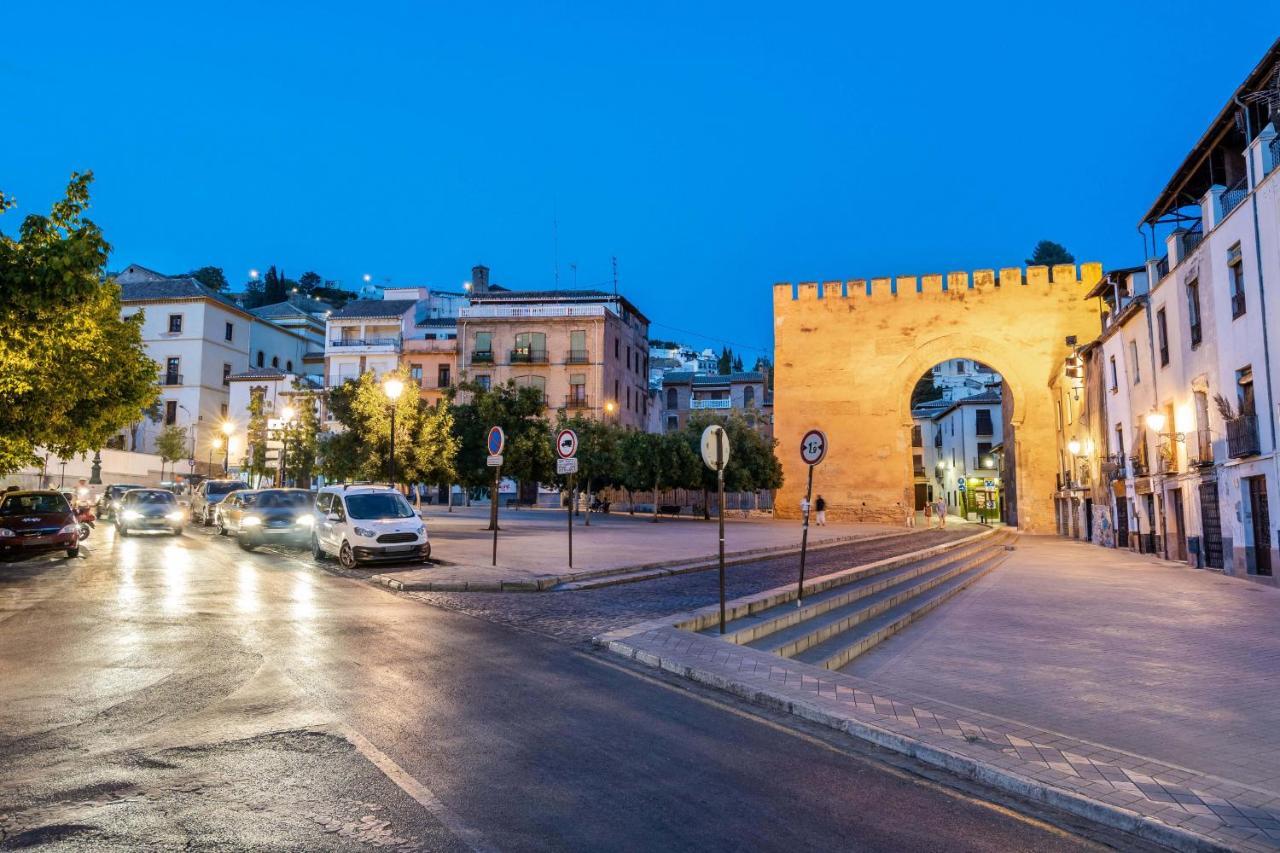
813	447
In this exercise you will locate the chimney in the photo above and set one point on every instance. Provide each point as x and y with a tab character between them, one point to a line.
479	279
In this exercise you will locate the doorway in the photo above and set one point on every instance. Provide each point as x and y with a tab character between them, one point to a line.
1178	547
1211	522
1147	541
1088	519
1261	525
1122	523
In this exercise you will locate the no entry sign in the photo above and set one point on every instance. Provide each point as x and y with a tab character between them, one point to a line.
567	444
813	447
496	440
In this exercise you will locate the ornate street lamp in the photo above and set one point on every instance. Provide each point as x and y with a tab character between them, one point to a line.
393	388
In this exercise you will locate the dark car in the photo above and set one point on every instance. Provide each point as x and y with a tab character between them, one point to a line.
149	509
207	496
37	521
267	515
110	500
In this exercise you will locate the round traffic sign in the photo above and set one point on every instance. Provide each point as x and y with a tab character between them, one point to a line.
715	452
495	440
567	443
813	447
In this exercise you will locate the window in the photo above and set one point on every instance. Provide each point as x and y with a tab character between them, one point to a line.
530	381
262	358
628	356
1120	441
983	422
749	396
484	345
1244	391
442	376
578	388
1162	334
482	380
1133	362
171	374
170	412
530	346
288	365
223	411
615	390
673	423
229	333
628	395
1235	272
960	365
226	374
1115	375
415	374
175	324
1193	309
275	361
1204	442
673	398
617	348
577	346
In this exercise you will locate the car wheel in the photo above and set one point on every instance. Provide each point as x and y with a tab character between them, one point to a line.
346	556
245	542
204	517
124	531
177	531
73	552
316	551
222	528
426	556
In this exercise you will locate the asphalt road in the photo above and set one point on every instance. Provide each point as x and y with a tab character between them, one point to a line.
169	693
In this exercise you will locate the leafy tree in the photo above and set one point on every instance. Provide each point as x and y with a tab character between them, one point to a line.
255	449
724	364
598	457
339	456
300	460
171	445
362	407
274	287
254	296
309	281
925	391
753	464
737	364
434	451
1047	253
656	461
72	371
210	277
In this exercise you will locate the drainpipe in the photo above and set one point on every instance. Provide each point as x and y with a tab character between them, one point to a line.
1257	249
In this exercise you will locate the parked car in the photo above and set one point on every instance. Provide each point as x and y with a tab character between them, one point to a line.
149	509
37	521
111	497
366	523
208	495
267	515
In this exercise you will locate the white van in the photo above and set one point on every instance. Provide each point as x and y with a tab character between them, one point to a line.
367	524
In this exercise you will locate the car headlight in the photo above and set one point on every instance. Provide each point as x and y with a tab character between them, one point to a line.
250	521
70	528
366	532
132	515
115	504
306	520
174	516
5	532
421	531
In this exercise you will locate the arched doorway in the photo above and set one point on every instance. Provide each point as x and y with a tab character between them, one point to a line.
847	353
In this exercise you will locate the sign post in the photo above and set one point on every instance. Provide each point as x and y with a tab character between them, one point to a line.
495	441
813	449
715	453
567	449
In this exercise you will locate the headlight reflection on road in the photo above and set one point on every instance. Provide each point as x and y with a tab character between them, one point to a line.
247	588
127	592
176	563
303	604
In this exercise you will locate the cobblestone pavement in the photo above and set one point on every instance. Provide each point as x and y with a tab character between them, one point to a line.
578	616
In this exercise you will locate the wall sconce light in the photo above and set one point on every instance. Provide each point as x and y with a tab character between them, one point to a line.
1156	420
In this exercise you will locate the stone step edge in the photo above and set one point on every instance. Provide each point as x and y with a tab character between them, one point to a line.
964	766
632	574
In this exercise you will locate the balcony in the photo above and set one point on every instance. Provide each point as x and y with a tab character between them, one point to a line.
528	356
1139	466
1189	241
576	401
171	379
354	345
483	310
1237	304
1113	467
711	404
918	472
577	356
1242	437
482	357
1167	457
1162	268
1200	448
1233	195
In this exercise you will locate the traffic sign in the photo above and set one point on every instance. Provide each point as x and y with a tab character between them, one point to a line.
494	461
567	466
567	444
813	447
709	442
960	485
495	441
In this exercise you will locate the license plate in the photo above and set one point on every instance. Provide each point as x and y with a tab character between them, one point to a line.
399	549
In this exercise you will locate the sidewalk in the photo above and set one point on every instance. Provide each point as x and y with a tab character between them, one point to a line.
533	547
1136	692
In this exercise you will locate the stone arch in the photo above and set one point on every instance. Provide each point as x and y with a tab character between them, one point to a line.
848	353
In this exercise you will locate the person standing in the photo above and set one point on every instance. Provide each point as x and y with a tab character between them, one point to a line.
821	506
910	513
941	512
804	509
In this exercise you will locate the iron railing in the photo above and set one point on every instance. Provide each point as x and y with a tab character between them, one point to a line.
1233	195
1167	457
171	379
1238	305
1189	240
711	404
1242	437
1162	267
576	401
577	356
365	342
1138	466
1113	466
482	357
528	356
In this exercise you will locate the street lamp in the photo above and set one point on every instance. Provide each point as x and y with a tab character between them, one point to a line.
609	408
227	429
1156	420
1074	447
286	418
393	388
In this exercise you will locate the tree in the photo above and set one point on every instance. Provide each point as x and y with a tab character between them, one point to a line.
274	288
171	445
925	391
724	364
72	371
210	277
309	281
300	460
737	364
1047	253
434	451
753	464
254	295
255	449
598	460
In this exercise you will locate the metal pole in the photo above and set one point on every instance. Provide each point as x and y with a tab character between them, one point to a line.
226	457
720	490
572	500
804	538
494	511
393	445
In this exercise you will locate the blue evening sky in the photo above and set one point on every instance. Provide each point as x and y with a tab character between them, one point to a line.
714	149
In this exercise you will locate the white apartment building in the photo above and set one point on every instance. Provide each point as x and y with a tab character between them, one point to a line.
957	459
963	377
199	339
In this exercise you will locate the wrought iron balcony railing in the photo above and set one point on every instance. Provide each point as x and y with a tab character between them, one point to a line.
577	356
171	379
528	356
482	357
1242	437
576	401
1138	466
1233	195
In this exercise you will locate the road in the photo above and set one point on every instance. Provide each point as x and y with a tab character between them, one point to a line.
180	693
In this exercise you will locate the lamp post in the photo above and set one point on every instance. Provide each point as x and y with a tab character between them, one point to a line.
227	429
286	418
393	388
214	444
610	408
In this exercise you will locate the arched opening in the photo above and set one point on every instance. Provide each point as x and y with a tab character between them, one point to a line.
963	459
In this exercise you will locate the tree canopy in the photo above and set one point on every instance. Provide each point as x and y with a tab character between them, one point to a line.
210	277
72	371
1047	253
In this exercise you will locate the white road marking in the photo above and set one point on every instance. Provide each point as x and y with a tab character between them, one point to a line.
469	836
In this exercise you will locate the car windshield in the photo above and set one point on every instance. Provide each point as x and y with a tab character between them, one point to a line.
379	505
150	497
117	491
225	487
283	500
18	504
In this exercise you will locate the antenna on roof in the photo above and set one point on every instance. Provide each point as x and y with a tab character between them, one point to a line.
615	274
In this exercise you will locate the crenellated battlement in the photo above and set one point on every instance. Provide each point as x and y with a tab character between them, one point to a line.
888	287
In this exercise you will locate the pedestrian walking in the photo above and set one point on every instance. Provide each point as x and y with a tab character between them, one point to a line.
821	506
804	508
941	512
911	513
928	513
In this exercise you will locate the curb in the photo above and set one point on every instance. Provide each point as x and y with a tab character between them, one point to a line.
1115	817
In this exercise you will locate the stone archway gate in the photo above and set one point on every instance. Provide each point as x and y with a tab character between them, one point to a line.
847	355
